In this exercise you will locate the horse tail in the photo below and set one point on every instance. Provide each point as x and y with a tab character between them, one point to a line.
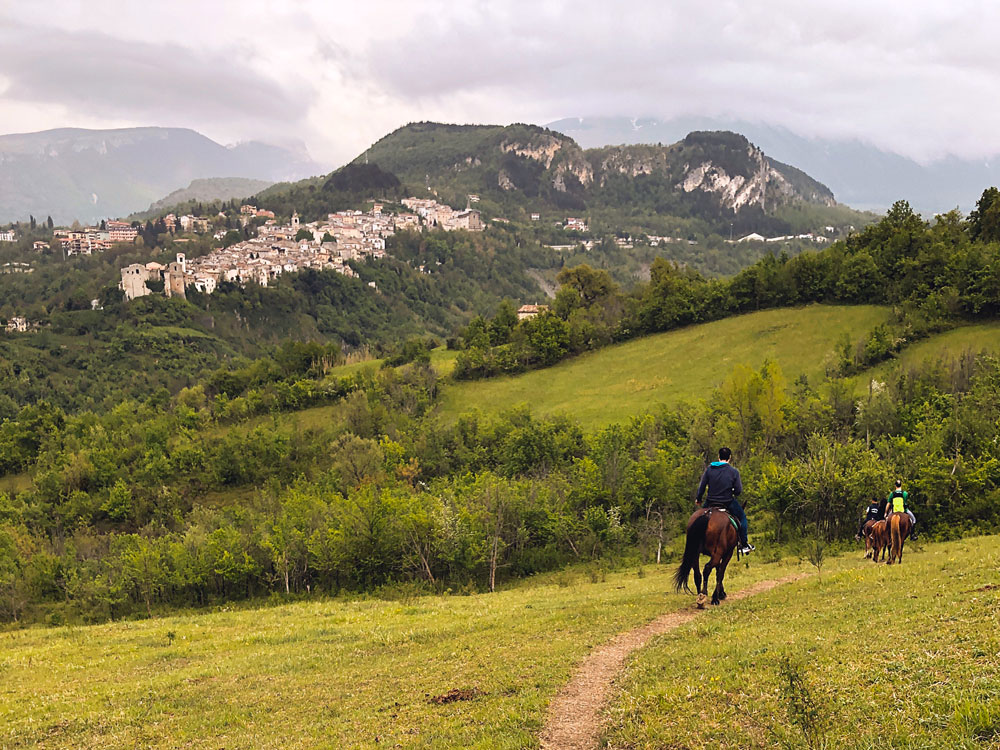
692	551
897	538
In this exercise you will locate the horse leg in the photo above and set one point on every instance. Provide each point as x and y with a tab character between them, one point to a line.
703	589
720	575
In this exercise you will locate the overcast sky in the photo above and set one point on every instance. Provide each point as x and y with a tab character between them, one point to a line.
917	77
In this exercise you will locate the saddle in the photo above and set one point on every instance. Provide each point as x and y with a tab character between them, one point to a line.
710	509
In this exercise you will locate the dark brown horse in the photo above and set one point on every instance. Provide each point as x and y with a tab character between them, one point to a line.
709	532
866	534
899	525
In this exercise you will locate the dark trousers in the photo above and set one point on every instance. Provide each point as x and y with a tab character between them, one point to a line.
736	511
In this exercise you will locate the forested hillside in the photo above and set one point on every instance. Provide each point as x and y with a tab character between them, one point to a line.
710	182
222	492
86	358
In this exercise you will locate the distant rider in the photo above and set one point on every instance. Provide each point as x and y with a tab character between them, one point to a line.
724	485
899	499
876	512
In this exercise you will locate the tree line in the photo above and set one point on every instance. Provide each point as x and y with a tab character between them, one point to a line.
931	273
150	506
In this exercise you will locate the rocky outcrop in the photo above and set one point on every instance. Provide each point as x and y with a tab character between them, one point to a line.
543	148
725	165
576	166
561	156
505	182
728	166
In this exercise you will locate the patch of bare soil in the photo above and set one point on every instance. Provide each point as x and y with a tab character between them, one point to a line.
457	694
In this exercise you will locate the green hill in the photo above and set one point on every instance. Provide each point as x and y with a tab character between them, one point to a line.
202	191
612	384
711	181
949	345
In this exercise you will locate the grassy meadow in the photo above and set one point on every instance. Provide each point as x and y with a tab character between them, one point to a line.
327	674
921	662
950	344
865	657
614	383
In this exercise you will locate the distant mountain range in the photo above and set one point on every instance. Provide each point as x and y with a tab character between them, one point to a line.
859	174
75	174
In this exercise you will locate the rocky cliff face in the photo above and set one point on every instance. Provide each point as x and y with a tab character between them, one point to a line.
548	149
724	165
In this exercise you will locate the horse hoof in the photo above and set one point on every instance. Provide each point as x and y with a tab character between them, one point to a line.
715	602
701	601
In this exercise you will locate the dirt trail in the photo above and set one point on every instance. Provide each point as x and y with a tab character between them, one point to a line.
574	715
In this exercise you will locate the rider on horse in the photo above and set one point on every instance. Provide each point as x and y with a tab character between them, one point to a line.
876	512
724	485
899	499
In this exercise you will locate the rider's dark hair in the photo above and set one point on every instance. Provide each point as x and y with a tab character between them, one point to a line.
899	482
725	454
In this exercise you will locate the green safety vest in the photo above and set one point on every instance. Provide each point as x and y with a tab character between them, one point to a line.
898	500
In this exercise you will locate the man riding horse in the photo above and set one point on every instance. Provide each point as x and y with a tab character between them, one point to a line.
722	480
875	512
899	499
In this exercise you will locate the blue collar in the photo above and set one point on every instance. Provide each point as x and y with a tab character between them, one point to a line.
719	463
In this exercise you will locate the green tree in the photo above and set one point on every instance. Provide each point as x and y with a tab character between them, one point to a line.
984	221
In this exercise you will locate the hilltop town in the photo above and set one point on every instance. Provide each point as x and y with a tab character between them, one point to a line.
286	248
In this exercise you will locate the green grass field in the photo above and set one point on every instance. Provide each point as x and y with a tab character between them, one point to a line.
902	657
331	674
914	647
975	338
612	384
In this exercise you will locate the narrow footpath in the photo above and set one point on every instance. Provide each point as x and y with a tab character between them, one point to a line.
574	716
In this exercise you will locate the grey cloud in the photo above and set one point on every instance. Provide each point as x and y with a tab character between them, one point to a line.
111	77
903	75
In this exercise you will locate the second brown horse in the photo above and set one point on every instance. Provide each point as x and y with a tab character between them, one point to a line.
899	527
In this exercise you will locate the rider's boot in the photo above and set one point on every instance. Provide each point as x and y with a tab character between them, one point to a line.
746	548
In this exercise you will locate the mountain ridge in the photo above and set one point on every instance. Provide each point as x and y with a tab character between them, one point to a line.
515	171
541	162
860	174
81	174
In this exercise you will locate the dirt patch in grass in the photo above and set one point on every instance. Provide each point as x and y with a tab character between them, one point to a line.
457	694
